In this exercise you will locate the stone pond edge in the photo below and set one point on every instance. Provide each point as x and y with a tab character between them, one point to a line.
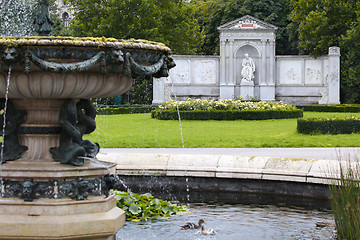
312	171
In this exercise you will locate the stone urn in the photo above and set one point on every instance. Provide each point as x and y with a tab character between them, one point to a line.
52	185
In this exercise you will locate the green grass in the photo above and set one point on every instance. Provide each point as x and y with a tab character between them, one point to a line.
141	131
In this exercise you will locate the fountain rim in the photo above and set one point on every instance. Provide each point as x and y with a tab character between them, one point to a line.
99	42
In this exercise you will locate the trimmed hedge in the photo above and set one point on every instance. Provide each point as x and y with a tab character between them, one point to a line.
330	108
109	110
346	125
227	115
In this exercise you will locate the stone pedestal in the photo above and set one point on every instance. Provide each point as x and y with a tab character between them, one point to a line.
95	218
60	209
267	92
247	90
227	91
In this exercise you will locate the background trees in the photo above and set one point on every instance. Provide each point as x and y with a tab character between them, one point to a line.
190	27
16	18
172	22
325	23
213	13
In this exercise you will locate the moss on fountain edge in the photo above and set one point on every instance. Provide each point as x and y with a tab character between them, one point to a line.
84	42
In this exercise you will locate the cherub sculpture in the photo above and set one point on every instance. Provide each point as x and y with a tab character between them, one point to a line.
76	120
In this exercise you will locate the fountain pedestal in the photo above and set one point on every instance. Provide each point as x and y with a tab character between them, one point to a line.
56	212
95	218
42	198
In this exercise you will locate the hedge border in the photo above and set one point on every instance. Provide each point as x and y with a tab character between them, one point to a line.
328	126
124	109
227	115
330	108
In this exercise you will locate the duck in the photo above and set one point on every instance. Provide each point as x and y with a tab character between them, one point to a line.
210	231
324	224
190	225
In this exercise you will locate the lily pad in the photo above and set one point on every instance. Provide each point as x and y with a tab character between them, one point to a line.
135	209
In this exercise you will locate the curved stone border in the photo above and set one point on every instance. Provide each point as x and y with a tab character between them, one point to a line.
227	166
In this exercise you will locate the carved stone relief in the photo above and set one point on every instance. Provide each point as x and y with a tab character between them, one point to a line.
205	72
181	73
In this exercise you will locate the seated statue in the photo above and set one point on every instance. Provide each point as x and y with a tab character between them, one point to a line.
248	69
76	120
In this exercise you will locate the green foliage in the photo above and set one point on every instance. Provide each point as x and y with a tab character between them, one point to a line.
226	115
213	13
16	17
145	206
346	125
141	92
327	23
19	20
103	101
124	109
169	21
330	108
345	202
322	23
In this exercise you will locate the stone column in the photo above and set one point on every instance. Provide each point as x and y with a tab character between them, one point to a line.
262	73
231	63
267	71
222	62
269	94
334	75
226	87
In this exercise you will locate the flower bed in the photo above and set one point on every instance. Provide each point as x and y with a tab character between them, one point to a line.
224	110
344	125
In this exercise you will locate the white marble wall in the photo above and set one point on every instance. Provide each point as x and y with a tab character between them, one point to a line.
193	77
292	79
301	79
297	79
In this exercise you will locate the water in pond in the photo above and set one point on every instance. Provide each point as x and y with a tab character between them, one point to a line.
238	222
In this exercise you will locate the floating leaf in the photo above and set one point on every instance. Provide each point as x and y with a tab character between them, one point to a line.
142	207
135	209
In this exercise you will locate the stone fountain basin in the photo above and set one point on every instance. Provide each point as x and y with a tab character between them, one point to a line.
45	72
40	85
64	68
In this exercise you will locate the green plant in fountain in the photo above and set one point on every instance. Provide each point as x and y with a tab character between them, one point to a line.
139	207
345	200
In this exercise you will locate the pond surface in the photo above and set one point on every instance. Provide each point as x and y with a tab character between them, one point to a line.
238	222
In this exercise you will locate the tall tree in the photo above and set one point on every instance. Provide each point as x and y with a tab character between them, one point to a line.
169	21
325	23
213	13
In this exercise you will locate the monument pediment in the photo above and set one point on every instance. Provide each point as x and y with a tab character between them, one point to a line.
247	23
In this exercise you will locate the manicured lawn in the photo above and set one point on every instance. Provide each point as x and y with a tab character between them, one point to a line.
141	131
